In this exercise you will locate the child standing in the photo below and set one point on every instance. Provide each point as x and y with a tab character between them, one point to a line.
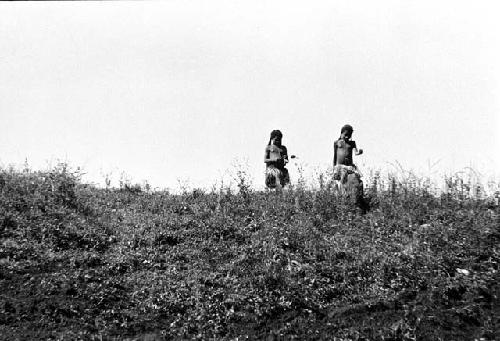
276	156
342	154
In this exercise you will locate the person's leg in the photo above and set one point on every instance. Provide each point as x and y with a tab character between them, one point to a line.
286	176
343	174
336	172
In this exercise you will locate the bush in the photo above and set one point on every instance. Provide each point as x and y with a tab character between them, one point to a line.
81	262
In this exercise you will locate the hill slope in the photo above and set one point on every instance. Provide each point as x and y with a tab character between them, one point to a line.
77	262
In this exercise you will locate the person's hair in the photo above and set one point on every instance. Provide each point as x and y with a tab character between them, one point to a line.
274	133
346	127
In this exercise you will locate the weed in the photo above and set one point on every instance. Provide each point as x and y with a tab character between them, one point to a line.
80	262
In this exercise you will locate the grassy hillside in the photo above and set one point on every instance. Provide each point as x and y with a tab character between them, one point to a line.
78	262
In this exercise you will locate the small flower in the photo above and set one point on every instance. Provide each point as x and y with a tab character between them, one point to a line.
463	271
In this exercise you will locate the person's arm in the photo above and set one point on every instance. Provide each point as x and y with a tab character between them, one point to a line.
335	153
284	154
266	155
356	150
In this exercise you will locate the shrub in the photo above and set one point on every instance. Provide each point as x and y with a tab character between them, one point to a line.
81	262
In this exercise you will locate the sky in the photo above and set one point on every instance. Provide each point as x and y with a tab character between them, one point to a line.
185	91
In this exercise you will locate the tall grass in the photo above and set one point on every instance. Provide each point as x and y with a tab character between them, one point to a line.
232	262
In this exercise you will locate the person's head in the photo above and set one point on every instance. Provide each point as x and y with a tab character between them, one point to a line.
346	131
276	137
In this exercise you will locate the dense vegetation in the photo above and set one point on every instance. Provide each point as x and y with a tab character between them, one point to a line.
79	262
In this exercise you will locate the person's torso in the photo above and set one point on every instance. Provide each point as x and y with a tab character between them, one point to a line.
344	151
277	155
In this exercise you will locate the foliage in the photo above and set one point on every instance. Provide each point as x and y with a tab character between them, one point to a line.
79	262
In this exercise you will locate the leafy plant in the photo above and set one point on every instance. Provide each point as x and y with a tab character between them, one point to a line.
80	262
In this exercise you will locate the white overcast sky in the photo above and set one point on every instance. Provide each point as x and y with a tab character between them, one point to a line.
168	90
